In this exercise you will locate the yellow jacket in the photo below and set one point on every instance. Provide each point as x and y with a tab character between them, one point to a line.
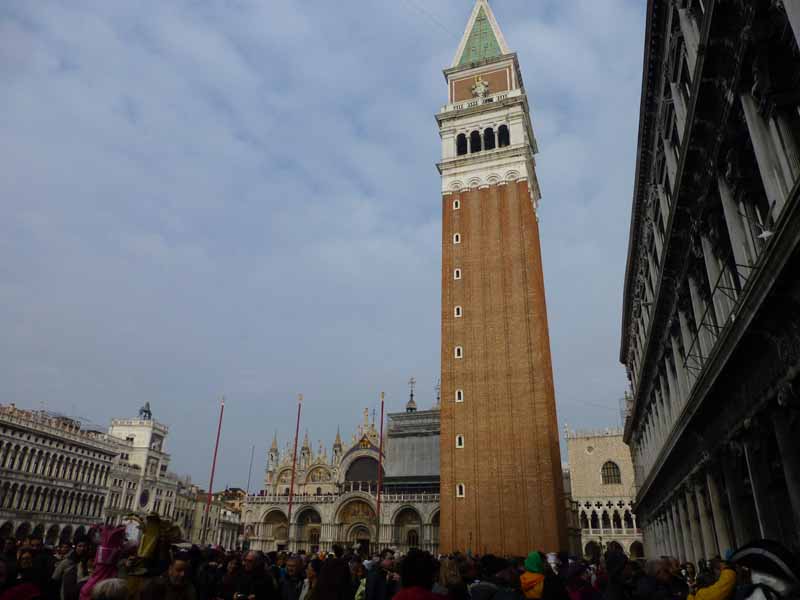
532	585
722	589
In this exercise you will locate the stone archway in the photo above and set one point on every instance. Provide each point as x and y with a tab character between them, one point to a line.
357	518
615	546
52	536
6	530
23	531
276	530
66	535
637	550
359	537
592	551
407	526
308	529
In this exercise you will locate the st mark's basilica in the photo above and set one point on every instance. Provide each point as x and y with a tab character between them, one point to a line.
335	495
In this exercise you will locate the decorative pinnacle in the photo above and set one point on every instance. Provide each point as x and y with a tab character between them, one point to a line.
274	441
338	441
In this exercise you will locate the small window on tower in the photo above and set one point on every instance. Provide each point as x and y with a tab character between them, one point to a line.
459	352
456	238
456	204
459	395
503	136
456	273
475	141
461	145
459	441
461	490
488	139
457	312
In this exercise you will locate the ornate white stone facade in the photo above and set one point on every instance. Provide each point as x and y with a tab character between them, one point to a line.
335	497
602	485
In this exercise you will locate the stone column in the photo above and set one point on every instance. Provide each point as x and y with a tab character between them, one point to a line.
789	447
793	13
680	108
736	227
720	524
721	303
734	487
673	534
706	526
691	35
757	473
767	161
706	340
686	337
681	383
688	549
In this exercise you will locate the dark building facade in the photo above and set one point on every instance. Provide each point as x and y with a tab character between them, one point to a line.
711	317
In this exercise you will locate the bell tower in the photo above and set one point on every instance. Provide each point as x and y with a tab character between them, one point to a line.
501	478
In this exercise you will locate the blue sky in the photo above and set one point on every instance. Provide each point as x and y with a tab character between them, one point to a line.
239	197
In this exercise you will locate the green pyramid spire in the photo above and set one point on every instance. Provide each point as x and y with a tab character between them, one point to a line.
482	43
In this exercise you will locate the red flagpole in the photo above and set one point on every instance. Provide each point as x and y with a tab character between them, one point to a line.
213	468
294	458
380	477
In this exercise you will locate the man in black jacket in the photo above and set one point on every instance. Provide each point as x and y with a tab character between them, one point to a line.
382	580
291	583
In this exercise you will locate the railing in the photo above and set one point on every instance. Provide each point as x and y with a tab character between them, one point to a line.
369	488
611	531
499	97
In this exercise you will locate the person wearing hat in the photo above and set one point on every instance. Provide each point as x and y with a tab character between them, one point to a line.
532	580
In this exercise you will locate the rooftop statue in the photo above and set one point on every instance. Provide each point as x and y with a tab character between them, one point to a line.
145	413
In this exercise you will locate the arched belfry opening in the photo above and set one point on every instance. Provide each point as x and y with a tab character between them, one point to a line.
503	136
475	142
488	139
461	144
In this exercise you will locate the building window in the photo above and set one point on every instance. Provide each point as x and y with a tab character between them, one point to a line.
488	139
503	136
457	312
459	441
475	142
611	474
413	539
461	491
461	144
459	352
459	395
456	204
456	238
457	274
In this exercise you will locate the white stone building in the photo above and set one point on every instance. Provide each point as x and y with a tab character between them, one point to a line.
53	474
602	485
140	480
335	497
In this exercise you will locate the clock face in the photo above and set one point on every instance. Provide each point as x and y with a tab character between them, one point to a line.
144	498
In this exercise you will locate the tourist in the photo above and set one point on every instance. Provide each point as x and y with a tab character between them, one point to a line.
312	575
111	589
382	580
334	581
227	585
717	584
291	584
73	570
619	577
578	582
175	585
532	580
418	571
254	583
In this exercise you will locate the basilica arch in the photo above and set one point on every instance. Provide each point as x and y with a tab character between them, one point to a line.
308	529
356	523
407	527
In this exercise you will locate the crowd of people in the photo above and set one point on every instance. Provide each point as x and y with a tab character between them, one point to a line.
108	569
